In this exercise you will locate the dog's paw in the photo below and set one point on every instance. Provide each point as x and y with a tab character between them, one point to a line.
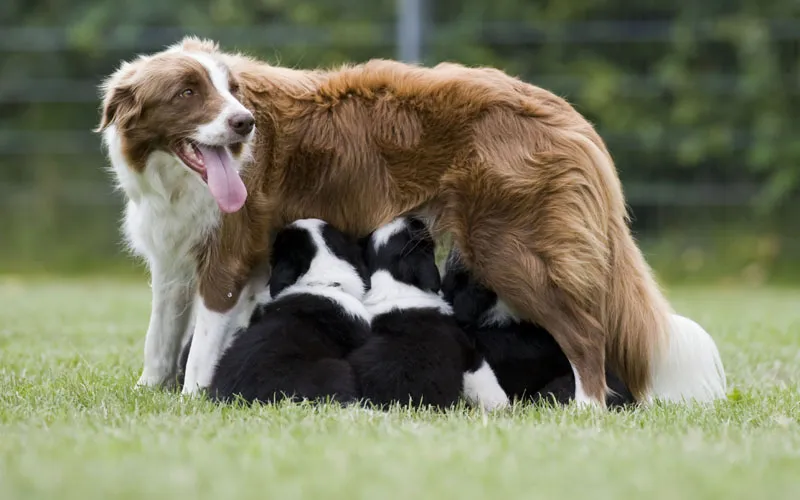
586	403
155	381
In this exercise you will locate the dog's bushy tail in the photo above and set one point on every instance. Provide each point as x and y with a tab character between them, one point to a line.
633	312
658	354
636	315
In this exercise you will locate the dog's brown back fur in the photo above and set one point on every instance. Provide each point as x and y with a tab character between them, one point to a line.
521	180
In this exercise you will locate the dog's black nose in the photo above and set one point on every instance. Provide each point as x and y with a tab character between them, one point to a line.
242	123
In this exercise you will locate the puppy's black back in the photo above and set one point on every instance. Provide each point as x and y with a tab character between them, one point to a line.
296	350
415	357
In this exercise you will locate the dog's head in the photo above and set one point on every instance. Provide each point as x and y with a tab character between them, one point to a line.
312	253
405	249
473	303
182	104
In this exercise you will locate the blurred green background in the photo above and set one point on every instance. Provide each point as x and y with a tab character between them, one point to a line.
698	102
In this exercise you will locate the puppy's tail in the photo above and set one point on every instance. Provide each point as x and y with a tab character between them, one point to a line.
690	368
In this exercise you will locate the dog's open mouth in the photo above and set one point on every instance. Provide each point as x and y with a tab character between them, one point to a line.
216	167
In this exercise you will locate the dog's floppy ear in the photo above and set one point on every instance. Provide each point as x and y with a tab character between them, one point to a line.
119	99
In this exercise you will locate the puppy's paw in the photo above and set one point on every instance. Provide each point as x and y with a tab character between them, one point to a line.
494	401
482	388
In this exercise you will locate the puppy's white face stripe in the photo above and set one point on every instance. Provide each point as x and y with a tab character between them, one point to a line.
217	131
327	269
382	235
313	226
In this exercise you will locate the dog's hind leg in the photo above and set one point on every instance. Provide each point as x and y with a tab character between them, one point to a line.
535	232
521	280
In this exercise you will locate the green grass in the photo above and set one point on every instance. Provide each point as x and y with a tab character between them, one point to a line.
71	426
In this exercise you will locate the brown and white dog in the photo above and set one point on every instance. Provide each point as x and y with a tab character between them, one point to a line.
216	151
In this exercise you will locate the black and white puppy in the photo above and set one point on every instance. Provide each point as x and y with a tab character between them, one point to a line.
526	359
417	354
305	326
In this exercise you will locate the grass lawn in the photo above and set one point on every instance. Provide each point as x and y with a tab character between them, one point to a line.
71	426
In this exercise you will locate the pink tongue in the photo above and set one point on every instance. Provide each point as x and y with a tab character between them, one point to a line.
223	180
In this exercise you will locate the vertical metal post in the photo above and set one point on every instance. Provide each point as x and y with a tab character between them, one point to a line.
409	30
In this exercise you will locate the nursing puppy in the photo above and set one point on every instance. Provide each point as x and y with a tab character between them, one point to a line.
296	343
529	363
525	358
417	353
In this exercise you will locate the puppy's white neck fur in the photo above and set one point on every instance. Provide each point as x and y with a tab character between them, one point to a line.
347	302
500	314
388	294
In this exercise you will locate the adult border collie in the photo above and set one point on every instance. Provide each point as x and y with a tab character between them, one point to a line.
217	151
527	361
417	353
301	330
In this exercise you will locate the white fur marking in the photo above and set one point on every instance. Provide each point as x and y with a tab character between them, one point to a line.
351	305
481	387
327	268
388	294
382	235
218	132
690	367
581	398
499	315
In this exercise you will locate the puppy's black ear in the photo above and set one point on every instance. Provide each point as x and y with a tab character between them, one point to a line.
468	298
470	302
367	253
427	273
419	270
292	253
284	275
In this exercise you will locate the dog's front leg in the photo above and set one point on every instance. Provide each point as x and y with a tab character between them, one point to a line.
170	313
213	331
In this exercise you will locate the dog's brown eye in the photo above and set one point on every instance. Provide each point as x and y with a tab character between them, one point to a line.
234	87
187	93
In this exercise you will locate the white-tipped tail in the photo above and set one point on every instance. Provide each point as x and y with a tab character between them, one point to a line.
690	367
